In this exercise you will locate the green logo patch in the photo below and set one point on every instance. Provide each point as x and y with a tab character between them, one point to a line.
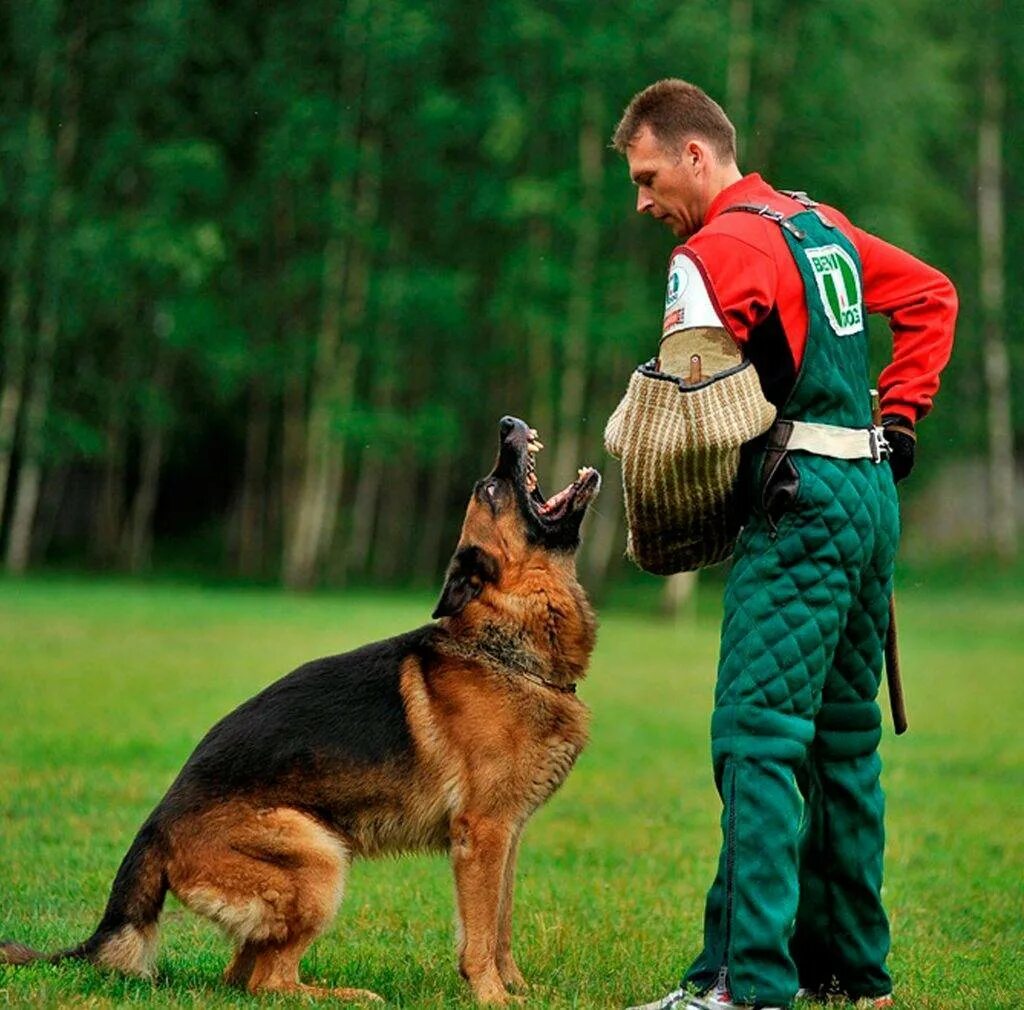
839	286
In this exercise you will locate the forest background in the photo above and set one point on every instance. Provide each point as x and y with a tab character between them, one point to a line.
270	273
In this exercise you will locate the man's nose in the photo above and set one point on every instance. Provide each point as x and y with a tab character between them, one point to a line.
643	201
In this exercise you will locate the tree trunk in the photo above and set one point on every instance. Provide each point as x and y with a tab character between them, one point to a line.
364	512
251	517
741	47
435	515
575	361
780	63
539	350
991	221
605	540
108	519
679	595
30	478
20	287
398	524
50	503
137	542
345	284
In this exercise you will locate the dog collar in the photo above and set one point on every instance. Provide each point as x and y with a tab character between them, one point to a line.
537	679
506	657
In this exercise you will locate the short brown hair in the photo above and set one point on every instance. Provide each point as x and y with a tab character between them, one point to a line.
675	110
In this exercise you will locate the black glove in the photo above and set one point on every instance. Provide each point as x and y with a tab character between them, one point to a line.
899	433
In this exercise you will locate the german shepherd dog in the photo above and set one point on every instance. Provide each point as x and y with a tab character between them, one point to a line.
446	738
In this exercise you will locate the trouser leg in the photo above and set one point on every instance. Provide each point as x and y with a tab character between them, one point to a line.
810	947
843	931
784	602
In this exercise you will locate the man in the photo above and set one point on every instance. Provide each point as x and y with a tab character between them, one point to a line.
796	900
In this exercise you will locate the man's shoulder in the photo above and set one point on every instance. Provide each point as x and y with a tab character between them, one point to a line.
732	235
739	224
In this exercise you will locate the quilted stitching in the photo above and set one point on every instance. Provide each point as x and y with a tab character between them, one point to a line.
790	600
796	725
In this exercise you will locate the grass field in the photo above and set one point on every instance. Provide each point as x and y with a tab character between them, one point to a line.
106	686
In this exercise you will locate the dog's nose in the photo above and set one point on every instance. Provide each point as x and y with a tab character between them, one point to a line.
512	426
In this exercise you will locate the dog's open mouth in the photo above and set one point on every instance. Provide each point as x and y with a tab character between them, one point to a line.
516	461
573	498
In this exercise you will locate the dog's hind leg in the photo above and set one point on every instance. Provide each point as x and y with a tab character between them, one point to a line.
272	879
276	969
239	970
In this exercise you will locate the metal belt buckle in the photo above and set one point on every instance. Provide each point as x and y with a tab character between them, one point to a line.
879	444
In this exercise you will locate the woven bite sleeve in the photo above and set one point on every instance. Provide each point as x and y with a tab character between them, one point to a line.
680	450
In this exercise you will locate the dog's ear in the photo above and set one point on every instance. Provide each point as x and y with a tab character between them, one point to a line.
469	570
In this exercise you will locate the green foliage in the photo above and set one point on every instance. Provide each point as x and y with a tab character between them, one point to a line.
247	181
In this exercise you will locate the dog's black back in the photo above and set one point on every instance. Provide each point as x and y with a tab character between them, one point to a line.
343	710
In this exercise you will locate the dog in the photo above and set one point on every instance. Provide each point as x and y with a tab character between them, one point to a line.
446	738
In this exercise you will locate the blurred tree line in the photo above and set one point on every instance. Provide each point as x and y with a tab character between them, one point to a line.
270	273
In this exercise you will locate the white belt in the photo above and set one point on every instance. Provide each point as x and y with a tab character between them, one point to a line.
833	440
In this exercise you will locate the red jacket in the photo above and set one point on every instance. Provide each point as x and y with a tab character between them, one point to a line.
748	269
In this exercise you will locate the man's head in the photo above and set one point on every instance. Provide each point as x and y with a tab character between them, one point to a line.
681	150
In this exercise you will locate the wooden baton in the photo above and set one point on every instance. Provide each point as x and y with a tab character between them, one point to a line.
892	673
897	703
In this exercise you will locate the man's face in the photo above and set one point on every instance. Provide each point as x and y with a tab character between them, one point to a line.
671	186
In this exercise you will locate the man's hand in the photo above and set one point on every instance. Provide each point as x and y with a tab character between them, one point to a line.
899	433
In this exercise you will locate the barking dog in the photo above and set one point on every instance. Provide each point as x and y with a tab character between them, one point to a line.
446	738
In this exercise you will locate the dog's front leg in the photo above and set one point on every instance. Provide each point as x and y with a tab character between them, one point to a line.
480	850
507	967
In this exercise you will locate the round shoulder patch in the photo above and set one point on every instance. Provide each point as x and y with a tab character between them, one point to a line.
687	301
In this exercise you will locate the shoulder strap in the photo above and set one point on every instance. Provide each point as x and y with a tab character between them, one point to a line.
763	210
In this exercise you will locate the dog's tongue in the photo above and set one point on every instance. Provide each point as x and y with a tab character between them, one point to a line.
556	503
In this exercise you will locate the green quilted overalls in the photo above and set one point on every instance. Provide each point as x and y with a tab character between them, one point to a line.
796	725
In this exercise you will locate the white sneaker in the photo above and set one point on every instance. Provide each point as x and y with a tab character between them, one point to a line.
678	999
719	999
681	999
864	1003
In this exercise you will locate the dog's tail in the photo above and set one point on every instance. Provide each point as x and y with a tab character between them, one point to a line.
125	939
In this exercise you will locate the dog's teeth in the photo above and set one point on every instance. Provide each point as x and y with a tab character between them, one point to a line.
534	445
532	433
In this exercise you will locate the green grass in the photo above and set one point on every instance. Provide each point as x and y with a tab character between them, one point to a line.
106	686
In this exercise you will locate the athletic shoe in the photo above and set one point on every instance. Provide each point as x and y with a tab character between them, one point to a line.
678	999
715	999
719	999
864	1003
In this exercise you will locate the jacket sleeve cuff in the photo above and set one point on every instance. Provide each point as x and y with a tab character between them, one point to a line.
903	411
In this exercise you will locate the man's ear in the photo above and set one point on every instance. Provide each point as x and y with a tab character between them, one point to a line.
469	570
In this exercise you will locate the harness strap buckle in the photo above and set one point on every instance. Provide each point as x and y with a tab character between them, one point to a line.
880	448
763	210
800	196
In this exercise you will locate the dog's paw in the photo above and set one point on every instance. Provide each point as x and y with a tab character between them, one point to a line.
491	991
501	998
513	977
357	995
346	995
